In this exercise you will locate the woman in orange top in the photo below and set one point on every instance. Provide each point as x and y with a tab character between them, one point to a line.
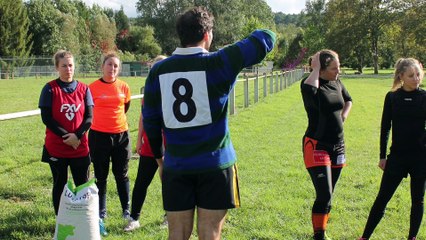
109	137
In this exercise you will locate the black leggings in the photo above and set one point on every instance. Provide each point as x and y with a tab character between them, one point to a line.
80	174
146	171
324	179
388	187
114	148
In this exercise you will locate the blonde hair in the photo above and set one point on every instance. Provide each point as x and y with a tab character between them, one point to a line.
158	58
60	54
401	67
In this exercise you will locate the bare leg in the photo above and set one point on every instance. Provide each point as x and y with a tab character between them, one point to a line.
210	223
180	224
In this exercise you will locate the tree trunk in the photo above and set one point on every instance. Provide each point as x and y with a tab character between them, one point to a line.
375	56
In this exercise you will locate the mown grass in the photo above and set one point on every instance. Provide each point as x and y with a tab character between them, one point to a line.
276	191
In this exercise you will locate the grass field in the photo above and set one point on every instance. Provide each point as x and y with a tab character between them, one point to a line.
276	191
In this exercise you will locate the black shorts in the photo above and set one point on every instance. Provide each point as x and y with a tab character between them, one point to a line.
213	190
77	162
404	164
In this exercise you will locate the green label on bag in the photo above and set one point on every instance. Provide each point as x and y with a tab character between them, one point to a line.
65	231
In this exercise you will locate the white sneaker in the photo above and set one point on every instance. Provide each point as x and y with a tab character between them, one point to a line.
132	225
165	223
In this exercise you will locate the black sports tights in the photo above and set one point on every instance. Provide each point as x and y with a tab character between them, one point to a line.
388	187
324	179
146	171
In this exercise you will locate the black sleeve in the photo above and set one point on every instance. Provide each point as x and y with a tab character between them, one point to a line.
309	96
126	106
156	147
47	118
346	96
385	125
87	122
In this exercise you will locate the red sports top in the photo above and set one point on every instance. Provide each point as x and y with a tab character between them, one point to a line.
145	149
68	110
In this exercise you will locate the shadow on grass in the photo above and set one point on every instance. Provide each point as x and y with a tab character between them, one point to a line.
27	223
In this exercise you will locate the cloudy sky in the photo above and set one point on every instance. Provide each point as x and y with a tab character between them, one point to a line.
285	6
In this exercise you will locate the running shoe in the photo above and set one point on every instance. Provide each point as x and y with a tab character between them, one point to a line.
126	215
132	225
102	228
321	236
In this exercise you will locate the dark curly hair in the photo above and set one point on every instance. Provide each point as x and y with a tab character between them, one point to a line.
193	24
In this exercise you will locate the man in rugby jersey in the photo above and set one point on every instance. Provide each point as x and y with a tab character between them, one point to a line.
186	96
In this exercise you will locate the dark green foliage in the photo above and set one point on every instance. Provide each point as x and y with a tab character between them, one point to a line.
286	19
14	37
14	24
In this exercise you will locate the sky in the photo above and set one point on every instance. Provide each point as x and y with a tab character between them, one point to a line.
285	6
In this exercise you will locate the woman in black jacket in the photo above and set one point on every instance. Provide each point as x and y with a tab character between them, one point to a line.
405	112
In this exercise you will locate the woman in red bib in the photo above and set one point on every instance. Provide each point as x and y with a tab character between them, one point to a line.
66	110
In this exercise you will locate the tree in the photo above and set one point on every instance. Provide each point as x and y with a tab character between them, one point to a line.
14	24
286	19
376	15
142	42
285	35
260	10
409	34
103	33
346	33
14	37
230	18
313	19
123	26
295	53
161	15
121	20
45	31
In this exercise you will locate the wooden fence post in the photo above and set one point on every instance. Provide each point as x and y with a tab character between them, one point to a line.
276	82
256	88
285	79
265	88
246	91
232	101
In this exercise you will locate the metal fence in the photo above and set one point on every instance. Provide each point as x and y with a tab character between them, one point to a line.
241	96
262	85
11	67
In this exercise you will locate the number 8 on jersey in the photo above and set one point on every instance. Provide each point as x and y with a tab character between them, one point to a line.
185	101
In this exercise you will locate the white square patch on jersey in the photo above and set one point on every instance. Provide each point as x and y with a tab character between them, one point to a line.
341	159
185	99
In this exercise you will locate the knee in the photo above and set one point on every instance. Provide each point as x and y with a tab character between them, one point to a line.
121	175
324	198
101	184
322	204
121	178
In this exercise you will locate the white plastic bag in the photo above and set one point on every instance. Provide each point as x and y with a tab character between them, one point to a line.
78	215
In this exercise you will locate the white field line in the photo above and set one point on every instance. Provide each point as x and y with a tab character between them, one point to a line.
8	116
